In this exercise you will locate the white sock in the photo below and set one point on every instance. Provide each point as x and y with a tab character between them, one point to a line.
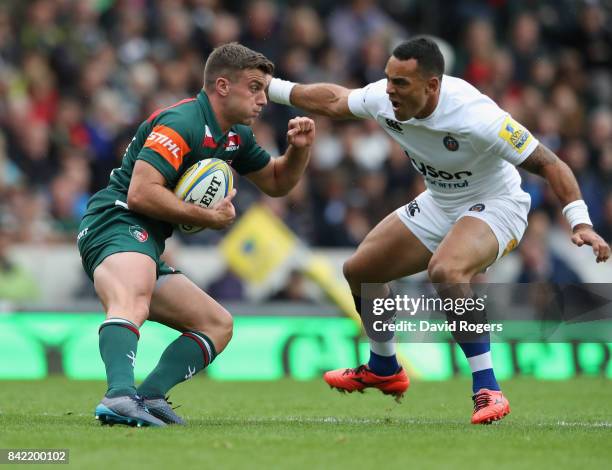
383	349
481	362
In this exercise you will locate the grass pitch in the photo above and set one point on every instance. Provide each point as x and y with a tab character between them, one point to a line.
296	425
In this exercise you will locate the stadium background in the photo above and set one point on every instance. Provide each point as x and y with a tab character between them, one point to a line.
77	77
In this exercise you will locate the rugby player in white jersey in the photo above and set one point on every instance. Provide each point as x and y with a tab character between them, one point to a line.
472	213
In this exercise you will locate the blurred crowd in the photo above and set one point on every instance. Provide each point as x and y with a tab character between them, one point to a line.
78	76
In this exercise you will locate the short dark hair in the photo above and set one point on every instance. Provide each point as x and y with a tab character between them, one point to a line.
231	58
425	51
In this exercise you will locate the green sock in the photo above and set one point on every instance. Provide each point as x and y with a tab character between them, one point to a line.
183	358
118	346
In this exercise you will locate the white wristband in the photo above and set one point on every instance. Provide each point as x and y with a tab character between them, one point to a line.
576	213
279	91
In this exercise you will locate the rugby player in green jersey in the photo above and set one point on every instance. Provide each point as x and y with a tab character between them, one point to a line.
123	232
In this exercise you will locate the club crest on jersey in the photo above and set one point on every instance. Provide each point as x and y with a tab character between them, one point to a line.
451	143
139	233
233	142
477	207
394	125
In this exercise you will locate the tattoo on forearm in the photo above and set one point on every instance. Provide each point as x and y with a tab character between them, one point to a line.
545	163
540	158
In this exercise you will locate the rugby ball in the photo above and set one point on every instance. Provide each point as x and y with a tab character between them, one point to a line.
204	183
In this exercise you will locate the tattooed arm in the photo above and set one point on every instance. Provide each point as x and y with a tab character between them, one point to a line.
545	163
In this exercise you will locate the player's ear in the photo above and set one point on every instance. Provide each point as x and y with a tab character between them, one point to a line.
222	86
433	85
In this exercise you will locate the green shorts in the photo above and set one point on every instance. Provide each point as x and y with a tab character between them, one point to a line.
116	230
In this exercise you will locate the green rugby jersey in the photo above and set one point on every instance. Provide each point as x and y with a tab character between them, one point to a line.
174	138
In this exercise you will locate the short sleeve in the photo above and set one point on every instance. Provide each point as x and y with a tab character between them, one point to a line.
251	156
365	102
167	145
495	132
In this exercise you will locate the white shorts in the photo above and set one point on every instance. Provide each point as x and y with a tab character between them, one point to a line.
506	215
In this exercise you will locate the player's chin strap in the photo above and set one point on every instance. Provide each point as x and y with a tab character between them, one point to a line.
577	213
279	91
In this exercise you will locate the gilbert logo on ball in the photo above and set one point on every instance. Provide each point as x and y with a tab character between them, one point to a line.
204	183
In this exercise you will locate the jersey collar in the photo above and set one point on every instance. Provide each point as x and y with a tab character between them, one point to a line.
209	116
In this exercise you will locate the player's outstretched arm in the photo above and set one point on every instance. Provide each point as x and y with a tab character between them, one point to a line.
319	98
149	196
281	174
545	163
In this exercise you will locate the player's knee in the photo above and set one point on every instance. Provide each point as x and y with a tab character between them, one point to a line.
220	327
226	325
134	308
141	309
444	272
351	272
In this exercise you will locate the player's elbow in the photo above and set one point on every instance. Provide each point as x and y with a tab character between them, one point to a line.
336	114
337	109
340	104
276	191
135	199
284	186
280	185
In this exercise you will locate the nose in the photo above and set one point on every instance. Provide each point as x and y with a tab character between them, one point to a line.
390	88
262	100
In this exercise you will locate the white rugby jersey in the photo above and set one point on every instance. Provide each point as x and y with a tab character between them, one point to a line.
466	149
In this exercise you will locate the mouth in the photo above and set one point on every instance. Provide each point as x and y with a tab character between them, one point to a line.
395	104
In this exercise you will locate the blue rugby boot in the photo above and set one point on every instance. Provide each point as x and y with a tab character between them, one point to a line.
161	408
128	410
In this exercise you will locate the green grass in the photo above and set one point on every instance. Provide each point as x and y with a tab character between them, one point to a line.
298	425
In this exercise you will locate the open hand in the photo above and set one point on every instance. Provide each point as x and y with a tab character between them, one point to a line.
585	235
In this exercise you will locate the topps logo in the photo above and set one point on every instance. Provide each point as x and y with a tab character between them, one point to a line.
166	142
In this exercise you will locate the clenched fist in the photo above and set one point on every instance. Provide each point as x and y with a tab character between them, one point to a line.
301	132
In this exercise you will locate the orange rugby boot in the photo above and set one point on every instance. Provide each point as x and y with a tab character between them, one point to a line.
489	406
350	380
